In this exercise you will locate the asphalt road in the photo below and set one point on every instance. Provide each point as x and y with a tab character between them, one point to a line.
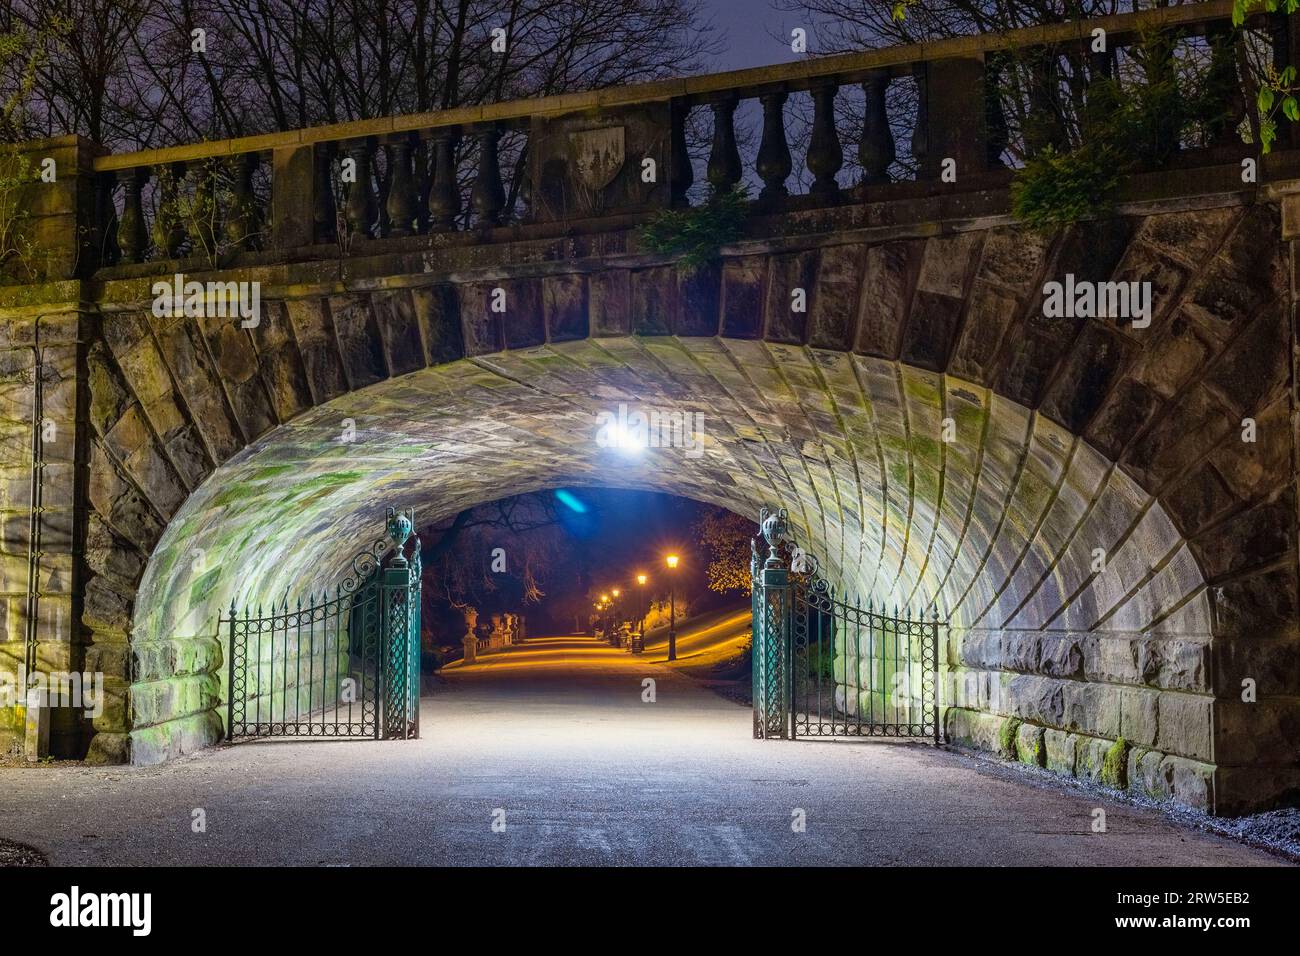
555	741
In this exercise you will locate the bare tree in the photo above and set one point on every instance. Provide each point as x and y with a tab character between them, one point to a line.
143	73
512	545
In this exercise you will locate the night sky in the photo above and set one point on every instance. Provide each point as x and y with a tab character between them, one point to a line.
753	33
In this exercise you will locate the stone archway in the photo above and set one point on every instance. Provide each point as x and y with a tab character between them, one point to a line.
1070	437
997	526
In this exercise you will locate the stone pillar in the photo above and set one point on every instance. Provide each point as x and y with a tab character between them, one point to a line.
42	493
470	640
293	196
953	117
44	402
53	214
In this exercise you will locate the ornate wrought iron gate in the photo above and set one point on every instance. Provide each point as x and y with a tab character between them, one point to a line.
825	667
340	665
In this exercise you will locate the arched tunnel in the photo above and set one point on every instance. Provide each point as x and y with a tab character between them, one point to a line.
993	521
1076	499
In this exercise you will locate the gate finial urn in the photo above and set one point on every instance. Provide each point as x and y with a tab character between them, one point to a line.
774	525
399	526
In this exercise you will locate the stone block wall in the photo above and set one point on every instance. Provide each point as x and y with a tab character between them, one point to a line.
211	447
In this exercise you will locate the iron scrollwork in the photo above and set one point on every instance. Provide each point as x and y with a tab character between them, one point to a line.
828	665
344	661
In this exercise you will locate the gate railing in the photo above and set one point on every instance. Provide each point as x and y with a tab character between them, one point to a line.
826	667
344	663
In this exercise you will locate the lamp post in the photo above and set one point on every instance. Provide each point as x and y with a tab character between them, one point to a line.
618	618
672	608
641	608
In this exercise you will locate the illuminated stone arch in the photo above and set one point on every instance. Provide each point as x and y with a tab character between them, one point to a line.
1066	441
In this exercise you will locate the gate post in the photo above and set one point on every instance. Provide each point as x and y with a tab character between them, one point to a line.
933	666
771	629
392	694
399	625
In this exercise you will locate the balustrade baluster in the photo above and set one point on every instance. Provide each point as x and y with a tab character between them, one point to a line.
682	175
132	237
724	158
526	185
489	196
360	210
401	190
169	233
825	154
876	151
444	194
774	164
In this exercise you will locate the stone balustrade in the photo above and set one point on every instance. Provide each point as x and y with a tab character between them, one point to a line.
624	151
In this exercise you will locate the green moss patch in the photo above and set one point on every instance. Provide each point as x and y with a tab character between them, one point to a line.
1114	766
1007	738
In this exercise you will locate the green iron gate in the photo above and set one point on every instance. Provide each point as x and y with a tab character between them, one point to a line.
825	667
346	663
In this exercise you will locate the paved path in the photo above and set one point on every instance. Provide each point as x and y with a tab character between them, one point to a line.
556	735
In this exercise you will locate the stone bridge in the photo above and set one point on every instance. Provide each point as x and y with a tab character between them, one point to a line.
1104	510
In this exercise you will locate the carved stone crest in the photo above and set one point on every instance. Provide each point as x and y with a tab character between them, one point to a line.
598	155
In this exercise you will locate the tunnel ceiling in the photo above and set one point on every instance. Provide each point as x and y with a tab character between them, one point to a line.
997	526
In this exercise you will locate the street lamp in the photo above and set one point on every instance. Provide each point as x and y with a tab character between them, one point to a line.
640	580
672	608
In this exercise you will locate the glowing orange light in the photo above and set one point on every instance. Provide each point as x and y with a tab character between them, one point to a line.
640	579
614	592
672	561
